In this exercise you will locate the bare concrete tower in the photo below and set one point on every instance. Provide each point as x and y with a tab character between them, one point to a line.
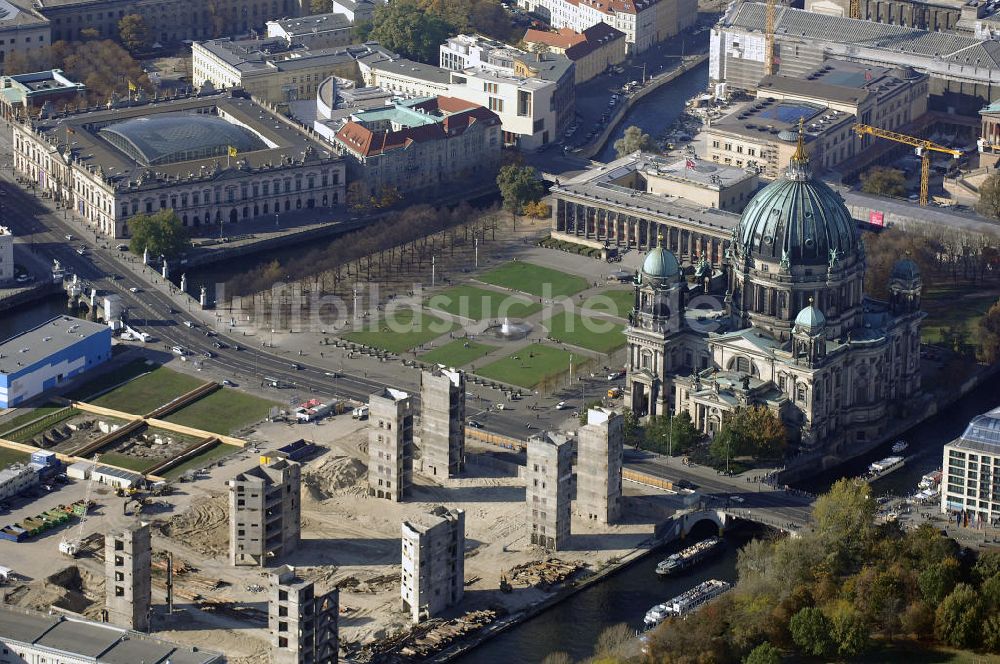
433	576
390	444
549	482
128	560
599	466
264	513
302	625
442	418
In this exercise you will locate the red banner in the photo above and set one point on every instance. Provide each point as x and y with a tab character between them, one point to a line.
876	218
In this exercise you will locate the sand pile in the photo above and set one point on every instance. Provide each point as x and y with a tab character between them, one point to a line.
204	527
335	476
70	588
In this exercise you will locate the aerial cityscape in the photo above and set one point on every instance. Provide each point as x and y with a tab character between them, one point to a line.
491	331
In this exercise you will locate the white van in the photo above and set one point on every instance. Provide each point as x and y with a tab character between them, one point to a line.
179	351
360	413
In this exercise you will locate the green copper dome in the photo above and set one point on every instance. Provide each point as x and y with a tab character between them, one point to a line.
810	319
798	220
905	270
660	263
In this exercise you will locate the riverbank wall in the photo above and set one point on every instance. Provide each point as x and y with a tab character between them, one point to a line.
807	465
18	297
654	84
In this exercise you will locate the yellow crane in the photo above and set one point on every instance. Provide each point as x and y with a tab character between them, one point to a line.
769	38
923	148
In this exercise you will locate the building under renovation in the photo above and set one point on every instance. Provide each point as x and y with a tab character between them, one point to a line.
390	444
600	445
433	566
302	625
442	418
264	513
128	559
549	482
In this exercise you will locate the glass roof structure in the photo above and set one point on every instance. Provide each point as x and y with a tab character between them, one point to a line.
982	434
174	137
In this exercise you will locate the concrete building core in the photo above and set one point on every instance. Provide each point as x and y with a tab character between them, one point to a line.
128	559
549	483
442	417
390	444
264	513
433	566
302	625
600	446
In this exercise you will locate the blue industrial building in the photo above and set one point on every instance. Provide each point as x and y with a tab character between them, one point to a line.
49	355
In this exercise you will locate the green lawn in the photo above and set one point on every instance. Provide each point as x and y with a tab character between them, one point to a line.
593	333
149	391
108	380
9	456
623	301
457	353
904	650
49	418
28	415
531	365
533	279
201	460
480	304
951	304
405	330
223	412
138	464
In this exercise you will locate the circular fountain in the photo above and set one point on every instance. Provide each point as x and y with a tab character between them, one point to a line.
509	330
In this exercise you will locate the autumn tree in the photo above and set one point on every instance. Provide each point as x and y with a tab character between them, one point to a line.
765	653
884	249
989	334
134	32
161	233
883	181
811	631
403	26
957	619
320	6
103	66
751	431
989	197
518	185
634	139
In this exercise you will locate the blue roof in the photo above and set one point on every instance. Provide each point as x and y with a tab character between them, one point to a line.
810	319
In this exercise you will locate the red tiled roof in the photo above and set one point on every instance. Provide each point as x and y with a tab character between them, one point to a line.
576	45
463	114
616	6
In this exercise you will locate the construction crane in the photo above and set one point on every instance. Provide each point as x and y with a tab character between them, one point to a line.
769	38
71	547
922	147
855	9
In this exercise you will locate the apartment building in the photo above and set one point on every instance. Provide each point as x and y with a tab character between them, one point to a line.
433	562
6	255
390	444
549	493
314	31
389	148
592	51
23	30
264	513
303	626
644	22
128	564
970	483
38	94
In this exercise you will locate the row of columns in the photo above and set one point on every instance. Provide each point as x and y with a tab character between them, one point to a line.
624	230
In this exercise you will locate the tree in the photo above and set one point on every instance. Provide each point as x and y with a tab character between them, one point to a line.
765	653
850	631
593	403
630	427
989	197
557	657
811	631
938	580
633	139
161	233
402	26
918	620
883	181
672	435
134	32
846	511
612	641
320	6
750	431
957	619
991	632
989	334
987	566
518	185
989	591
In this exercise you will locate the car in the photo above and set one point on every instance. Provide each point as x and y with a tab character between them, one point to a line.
737	499
69	238
209	354
685	484
227	382
122	247
331	374
562	405
237	347
615	375
177	350
295	366
81	250
475	424
210	333
219	344
188	323
133	289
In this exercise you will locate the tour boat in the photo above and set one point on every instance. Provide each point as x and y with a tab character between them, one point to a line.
689	556
686	602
